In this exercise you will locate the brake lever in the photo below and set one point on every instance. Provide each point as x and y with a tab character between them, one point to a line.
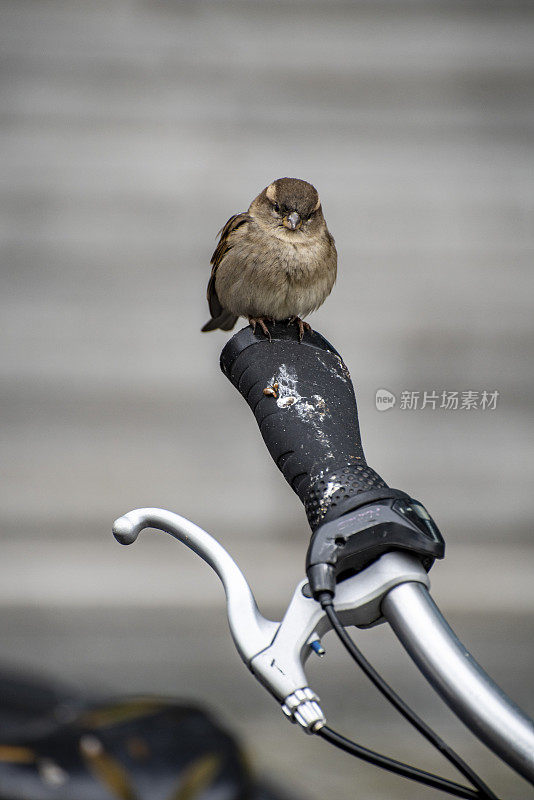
275	652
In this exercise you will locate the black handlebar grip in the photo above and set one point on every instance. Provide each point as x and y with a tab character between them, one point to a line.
302	397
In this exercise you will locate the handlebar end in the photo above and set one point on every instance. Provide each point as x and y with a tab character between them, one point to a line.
280	332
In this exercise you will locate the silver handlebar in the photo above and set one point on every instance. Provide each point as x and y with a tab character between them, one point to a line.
394	587
458	678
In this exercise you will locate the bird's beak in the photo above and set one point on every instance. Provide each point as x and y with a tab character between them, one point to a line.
293	221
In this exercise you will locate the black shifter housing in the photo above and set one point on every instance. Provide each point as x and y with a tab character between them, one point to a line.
346	545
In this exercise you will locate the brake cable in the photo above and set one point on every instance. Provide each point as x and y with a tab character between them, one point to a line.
383	761
398	767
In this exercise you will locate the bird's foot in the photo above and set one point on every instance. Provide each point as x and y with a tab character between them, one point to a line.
303	326
253	321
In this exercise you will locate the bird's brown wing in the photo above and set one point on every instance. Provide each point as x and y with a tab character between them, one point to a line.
221	318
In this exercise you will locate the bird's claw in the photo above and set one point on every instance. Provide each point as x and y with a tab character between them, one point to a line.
303	326
261	322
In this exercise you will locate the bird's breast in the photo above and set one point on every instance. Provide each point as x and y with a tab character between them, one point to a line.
276	277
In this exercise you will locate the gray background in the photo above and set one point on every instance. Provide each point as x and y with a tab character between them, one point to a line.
130	132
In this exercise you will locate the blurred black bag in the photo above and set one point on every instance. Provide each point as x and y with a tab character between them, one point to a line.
55	744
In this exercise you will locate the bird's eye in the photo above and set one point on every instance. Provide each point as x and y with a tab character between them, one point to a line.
276	207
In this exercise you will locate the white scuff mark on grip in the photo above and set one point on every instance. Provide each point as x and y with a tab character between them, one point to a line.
287	387
331	489
328	492
312	410
338	370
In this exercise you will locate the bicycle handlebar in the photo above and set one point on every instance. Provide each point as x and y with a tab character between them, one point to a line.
396	586
302	397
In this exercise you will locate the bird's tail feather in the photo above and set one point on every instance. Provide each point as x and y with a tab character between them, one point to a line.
224	321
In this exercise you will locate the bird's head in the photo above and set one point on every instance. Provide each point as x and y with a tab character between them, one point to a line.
290	207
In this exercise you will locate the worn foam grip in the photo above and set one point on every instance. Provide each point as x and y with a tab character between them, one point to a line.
302	397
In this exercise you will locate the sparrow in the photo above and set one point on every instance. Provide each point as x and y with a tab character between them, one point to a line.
277	261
